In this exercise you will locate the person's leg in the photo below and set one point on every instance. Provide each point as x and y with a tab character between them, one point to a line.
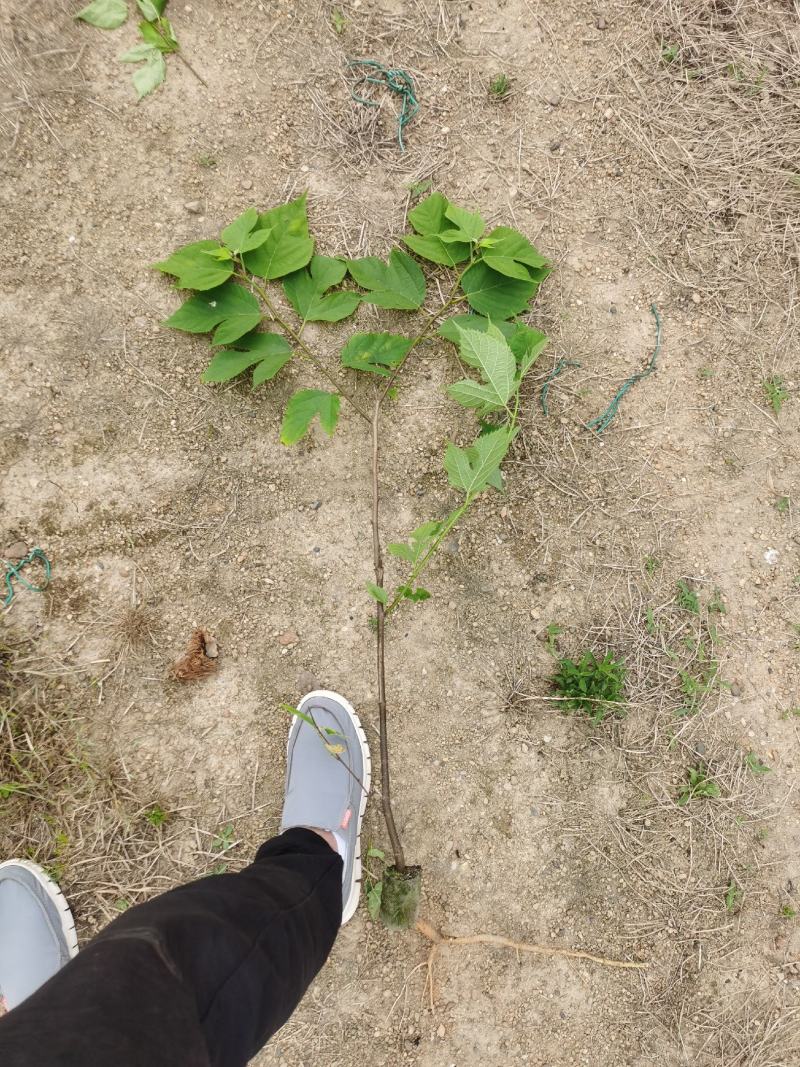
206	973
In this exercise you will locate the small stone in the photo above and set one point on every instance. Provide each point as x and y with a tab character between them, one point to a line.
441	1031
316	505
17	550
696	298
771	556
247	184
736	689
552	95
601	23
288	638
608	113
306	682
194	207
445	130
211	647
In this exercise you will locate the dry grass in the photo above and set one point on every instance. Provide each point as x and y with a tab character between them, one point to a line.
64	804
712	102
694	877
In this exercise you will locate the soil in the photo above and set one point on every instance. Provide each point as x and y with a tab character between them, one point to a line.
151	491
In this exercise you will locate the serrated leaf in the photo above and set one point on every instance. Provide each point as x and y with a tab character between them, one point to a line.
105	14
288	247
149	76
524	341
488	351
373	852
375	352
469	224
398	283
493	294
472	469
419	541
192	269
305	290
231	308
377	592
302	409
235	233
474	395
433	248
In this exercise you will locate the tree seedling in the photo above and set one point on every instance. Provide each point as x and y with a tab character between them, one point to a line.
733	897
156	815
698	785
551	634
499	87
254	290
775	393
224	839
157	39
591	686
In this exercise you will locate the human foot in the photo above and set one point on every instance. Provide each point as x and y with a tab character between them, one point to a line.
326	789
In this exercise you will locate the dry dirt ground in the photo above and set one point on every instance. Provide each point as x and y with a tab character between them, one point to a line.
651	150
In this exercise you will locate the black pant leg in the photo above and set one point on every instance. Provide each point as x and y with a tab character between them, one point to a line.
202	975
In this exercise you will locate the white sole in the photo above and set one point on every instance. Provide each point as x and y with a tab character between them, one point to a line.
56	896
351	903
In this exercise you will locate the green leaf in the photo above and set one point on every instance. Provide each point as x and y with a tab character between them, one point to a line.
375	352
419	541
138	54
234	235
151	34
193	269
494	294
301	410
375	853
151	9
506	243
488	351
429	217
509	267
471	469
230	307
396	284
305	291
470	394
267	353
416	596
525	342
469	225
150	76
291	710
288	246
378	592
433	248
105	14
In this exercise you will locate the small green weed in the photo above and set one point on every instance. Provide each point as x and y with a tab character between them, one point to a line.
733	897
755	764
687	598
590	685
651	565
788	912
650	622
782	505
775	393
206	161
698	784
705	373
121	904
156	815
669	53
224	839
716	604
790	713
418	189
499	87
551	633
339	22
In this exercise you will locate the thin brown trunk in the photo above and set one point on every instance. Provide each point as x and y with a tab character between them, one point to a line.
377	558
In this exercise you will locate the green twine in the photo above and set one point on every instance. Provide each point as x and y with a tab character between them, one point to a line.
393	78
559	368
13	570
602	422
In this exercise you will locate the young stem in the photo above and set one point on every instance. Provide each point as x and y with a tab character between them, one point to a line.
189	67
294	335
452	519
377	560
